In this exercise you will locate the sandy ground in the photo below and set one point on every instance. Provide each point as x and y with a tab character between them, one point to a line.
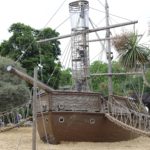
21	139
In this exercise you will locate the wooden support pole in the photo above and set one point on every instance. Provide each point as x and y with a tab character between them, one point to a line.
34	110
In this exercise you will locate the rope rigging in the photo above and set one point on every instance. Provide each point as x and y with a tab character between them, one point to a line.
25	50
61	5
101	3
65	58
124	122
110	14
62	22
128	118
15	117
101	43
43	120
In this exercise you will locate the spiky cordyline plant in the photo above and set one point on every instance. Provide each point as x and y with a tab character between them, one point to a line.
131	53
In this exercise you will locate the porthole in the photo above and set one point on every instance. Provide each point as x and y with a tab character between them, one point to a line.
92	121
61	119
61	106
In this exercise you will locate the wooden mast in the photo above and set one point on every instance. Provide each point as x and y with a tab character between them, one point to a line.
34	110
108	51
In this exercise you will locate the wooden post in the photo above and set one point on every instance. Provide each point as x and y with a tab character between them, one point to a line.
109	57
34	110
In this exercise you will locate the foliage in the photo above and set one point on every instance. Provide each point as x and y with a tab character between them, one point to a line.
99	83
133	55
23	42
118	81
13	91
130	51
122	84
65	78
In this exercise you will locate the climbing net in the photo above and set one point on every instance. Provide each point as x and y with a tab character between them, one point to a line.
15	117
129	119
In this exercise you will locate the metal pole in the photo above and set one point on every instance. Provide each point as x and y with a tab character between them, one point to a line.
34	110
108	48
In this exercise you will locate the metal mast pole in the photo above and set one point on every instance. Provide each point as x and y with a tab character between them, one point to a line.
109	53
34	110
79	45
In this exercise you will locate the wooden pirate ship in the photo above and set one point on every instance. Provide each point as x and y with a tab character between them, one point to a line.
80	114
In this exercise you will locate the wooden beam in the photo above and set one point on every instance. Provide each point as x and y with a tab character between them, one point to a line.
116	74
88	31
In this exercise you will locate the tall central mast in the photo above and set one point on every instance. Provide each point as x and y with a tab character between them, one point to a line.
109	53
79	45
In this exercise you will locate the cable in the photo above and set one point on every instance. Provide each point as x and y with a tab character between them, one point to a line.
111	22
23	53
67	55
101	3
92	24
97	55
43	120
52	74
100	21
40	67
110	14
56	12
62	23
13	109
102	44
66	51
69	60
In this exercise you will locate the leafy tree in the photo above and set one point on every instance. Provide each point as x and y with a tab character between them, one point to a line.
118	81
13	91
65	78
22	46
100	83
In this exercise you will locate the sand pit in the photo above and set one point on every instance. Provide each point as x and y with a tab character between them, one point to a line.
21	139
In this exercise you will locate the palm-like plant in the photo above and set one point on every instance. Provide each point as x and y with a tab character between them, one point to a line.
131	53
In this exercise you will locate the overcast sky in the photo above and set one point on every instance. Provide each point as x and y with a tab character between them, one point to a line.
37	13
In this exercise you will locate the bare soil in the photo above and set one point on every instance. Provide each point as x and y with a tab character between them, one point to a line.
21	139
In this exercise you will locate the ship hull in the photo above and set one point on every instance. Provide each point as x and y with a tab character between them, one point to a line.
54	127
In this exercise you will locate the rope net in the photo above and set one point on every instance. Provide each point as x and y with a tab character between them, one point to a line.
15	117
128	118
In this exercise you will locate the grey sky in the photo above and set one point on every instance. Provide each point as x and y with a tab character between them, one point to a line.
36	13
